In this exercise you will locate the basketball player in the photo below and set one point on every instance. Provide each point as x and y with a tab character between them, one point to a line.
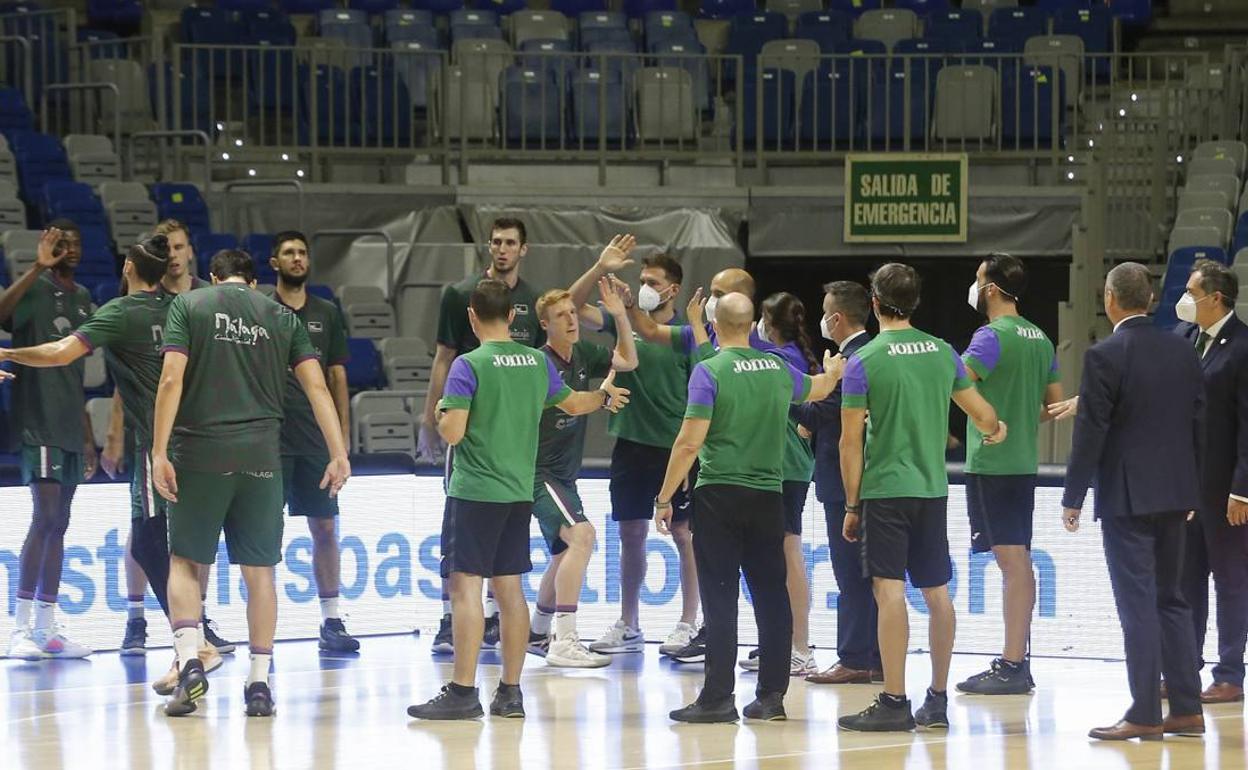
560	450
227	350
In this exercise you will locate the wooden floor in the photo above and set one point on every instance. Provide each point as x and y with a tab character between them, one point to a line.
350	713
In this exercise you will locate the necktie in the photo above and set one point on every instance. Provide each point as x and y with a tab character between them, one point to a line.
1202	342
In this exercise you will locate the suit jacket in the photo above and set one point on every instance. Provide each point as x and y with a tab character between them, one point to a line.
1225	366
823	420
1139	432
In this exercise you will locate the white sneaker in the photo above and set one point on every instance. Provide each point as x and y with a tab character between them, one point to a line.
750	662
803	664
22	647
620	638
570	653
678	639
53	643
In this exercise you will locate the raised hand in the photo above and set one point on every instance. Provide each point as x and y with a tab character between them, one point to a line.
614	256
47	255
611	300
695	311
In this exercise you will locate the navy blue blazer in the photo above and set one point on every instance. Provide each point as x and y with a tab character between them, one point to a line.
823	420
1225	365
1139	432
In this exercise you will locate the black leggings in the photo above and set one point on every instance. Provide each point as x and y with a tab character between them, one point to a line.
149	544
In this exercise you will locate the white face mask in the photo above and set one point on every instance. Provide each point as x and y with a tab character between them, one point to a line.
972	296
825	328
648	299
1185	308
710	309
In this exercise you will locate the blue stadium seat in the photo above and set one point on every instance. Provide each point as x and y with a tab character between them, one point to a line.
958	26
438	6
868	59
827	117
636	9
1133	13
213	27
724	9
473	16
410	25
668	26
267	24
305	6
551	56
364	365
352	28
1028	108
387	108
854	7
592	35
117	15
105	293
332	109
532	107
322	291
748	32
901	105
373	6
184	203
826	28
101	44
72	200
417	64
243	5
260	247
1095	27
39	158
1240	238
196	95
271	78
574	8
1179	264
590	88
206	245
923	7
14	114
1164	316
1017	24
777	109
475	25
620	67
682	55
503	7
601	25
48	48
332	16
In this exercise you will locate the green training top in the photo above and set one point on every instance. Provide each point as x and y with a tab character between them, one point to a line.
454	331
561	437
504	386
1015	362
745	394
321	319
656	400
240	345
48	403
904	380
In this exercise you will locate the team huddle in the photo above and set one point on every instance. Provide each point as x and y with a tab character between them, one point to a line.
236	405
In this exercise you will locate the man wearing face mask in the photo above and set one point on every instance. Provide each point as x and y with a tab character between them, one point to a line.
644	435
846	305
1217	538
1014	366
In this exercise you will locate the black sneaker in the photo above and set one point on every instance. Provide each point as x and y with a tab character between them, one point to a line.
444	641
880	717
192	685
539	644
213	637
508	702
135	642
259	699
334	637
1001	678
448	705
695	651
489	640
934	713
768	707
707	712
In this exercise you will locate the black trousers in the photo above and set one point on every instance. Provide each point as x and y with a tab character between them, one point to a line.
857	617
741	530
1145	559
1215	547
149	543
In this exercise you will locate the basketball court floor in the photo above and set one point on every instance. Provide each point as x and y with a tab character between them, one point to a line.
350	712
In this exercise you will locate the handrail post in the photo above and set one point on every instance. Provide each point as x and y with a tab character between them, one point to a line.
391	278
43	104
135	139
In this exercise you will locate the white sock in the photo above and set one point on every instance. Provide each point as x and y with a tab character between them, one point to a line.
134	609
260	662
329	607
186	643
565	624
21	615
43	615
541	621
446	606
491	609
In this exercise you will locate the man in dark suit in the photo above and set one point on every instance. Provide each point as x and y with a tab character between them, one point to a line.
846	305
1138	438
1217	538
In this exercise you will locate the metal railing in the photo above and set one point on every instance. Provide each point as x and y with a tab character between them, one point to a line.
47	35
179	156
235	184
24	62
357	234
69	113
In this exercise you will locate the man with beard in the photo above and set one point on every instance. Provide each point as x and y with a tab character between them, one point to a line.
57	451
508	246
304	454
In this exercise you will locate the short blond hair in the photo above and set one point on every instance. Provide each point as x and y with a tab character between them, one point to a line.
169	226
551	297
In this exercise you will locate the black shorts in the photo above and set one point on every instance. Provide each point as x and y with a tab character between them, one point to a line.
1001	509
637	472
301	481
794	505
903	535
485	539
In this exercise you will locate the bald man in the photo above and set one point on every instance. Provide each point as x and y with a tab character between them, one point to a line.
735	425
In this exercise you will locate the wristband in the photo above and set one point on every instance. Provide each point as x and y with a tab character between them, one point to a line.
660	504
855	509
